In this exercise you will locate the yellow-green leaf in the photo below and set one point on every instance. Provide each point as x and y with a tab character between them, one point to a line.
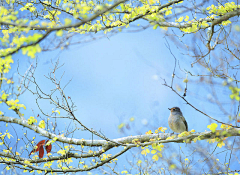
121	125
153	151
212	127
173	166
42	124
132	119
155	26
67	21
59	33
180	19
155	157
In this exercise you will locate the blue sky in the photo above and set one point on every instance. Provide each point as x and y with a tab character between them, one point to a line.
117	77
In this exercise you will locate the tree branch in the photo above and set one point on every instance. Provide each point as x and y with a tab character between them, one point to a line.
160	137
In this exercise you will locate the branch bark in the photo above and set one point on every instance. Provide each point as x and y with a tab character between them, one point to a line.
144	139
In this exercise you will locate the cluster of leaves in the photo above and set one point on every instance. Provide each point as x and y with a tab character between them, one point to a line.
4	135
26	35
213	13
39	148
33	120
160	129
14	104
219	139
222	9
121	16
5	64
62	162
156	148
235	93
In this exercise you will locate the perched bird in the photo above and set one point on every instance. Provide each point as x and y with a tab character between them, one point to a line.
176	121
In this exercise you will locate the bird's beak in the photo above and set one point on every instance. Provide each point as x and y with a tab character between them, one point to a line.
169	109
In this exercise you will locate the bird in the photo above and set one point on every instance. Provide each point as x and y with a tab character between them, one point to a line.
176	121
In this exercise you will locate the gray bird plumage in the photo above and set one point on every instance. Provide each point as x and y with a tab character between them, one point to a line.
176	121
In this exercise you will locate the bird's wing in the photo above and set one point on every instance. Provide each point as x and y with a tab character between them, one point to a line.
185	122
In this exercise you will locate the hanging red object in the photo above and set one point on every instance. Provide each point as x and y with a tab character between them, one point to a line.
41	149
48	147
